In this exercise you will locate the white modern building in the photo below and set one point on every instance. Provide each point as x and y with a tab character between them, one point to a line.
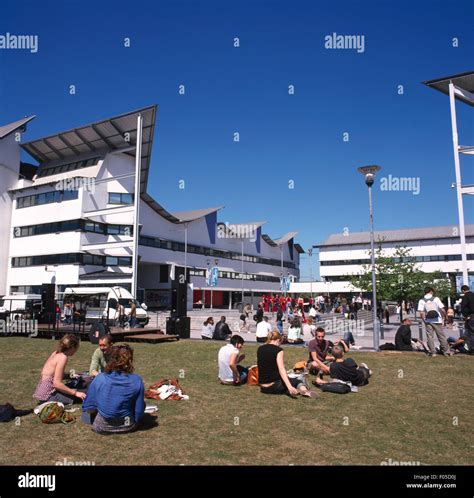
435	249
71	220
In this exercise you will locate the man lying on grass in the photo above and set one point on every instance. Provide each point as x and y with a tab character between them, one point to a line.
343	369
230	372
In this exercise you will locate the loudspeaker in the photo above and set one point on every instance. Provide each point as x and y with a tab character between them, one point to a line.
97	331
170	325
183	327
48	302
179	293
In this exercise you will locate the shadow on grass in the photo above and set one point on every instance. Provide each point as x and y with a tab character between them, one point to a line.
148	422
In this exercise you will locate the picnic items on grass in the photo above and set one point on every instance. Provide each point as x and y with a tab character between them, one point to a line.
166	389
53	412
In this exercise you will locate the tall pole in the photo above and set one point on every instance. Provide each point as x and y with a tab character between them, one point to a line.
242	272
374	290
186	252
462	233
310	254
136	218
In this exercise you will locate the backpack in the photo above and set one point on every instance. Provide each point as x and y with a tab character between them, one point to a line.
252	376
431	310
336	387
53	412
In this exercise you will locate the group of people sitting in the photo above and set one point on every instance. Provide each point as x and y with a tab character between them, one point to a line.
112	395
219	331
325	358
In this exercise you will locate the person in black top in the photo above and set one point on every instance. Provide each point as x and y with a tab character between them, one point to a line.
465	343
259	315
221	330
272	375
344	369
403	337
467	307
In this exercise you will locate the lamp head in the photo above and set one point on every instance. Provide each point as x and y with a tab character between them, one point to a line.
369	173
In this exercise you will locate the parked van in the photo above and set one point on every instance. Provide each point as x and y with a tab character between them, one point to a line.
20	303
94	302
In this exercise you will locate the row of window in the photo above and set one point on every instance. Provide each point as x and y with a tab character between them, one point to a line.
63	168
71	225
66	195
208	251
120	198
72	258
46	198
416	259
237	276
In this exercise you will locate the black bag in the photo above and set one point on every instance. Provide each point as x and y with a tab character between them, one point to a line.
9	412
336	387
388	346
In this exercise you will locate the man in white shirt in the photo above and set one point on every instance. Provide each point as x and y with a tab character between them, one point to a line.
263	328
230	372
432	312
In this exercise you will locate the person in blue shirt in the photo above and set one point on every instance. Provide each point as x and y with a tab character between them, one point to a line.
115	398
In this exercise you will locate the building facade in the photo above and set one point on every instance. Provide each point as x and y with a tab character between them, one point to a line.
70	220
435	249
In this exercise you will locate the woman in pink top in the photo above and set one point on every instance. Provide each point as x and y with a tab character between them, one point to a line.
51	386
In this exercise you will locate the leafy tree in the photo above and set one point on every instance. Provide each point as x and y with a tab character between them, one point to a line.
398	277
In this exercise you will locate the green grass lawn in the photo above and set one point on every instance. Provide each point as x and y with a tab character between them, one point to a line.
406	413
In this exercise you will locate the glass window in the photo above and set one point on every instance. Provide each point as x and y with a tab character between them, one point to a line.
111	261
114	198
124	261
127	198
113	229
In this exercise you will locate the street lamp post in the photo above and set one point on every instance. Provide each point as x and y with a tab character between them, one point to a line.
242	273
369	174
310	254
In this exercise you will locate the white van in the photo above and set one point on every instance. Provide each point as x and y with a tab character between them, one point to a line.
97	300
20	303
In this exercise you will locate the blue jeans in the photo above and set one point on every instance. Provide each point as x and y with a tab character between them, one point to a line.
348	338
243	371
279	326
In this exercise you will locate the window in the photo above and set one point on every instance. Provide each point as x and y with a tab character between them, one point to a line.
119	198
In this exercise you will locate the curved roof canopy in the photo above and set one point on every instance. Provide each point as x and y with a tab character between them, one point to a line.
463	86
115	134
282	240
5	130
177	217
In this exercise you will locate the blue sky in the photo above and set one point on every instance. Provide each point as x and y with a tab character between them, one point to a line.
282	137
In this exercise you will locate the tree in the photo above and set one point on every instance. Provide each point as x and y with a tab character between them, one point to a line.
399	278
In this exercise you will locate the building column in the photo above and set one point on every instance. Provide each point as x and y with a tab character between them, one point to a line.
230	300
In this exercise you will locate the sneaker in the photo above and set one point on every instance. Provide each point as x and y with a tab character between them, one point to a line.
430	355
448	353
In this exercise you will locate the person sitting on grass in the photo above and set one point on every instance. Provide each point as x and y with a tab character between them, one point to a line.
207	331
321	349
294	332
263	329
116	398
221	331
230	372
101	356
273	378
404	340
51	386
343	369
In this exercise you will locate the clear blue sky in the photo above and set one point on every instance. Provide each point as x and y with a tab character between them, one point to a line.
282	137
